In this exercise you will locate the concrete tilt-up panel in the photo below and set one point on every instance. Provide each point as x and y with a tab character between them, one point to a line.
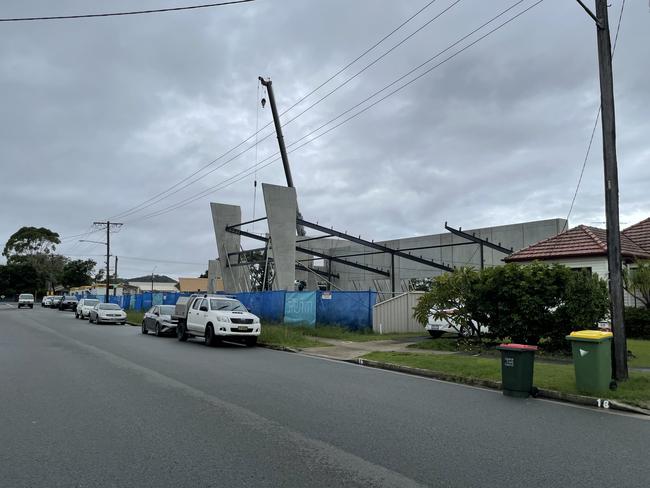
281	206
223	216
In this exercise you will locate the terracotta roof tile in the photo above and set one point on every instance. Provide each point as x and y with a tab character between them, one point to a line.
639	233
580	241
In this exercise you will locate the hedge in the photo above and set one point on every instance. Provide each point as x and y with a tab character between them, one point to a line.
637	323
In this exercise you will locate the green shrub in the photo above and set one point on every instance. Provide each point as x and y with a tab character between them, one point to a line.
637	323
521	303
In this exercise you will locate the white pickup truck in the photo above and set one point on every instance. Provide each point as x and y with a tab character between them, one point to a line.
26	300
216	318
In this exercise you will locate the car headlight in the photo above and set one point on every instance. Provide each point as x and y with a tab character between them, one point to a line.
256	320
223	318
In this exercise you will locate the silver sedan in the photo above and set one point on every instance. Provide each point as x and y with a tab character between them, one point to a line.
158	319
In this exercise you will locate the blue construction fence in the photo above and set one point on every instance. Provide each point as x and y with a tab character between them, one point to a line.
349	309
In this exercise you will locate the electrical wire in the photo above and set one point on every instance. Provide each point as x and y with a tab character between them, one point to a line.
137	208
120	14
243	173
593	130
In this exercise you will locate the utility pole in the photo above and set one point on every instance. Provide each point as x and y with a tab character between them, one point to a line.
611	186
108	225
115	287
283	150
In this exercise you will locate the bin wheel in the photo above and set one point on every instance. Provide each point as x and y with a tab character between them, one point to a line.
534	392
613	385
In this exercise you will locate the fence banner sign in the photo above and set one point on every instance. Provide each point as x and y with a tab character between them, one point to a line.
300	308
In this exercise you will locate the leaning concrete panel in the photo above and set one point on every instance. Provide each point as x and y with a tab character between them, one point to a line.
281	207
223	216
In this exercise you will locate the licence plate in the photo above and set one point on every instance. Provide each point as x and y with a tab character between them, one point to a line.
243	327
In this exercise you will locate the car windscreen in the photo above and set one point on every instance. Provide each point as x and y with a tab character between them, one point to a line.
91	303
26	296
109	306
167	309
227	305
69	298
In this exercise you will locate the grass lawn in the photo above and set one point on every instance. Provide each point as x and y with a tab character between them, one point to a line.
641	351
558	377
134	316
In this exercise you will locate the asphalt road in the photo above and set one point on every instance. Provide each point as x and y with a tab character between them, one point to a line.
86	405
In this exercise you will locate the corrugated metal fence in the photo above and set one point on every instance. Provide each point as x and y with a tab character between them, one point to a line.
396	314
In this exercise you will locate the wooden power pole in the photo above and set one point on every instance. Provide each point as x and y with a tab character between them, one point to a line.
611	186
108	225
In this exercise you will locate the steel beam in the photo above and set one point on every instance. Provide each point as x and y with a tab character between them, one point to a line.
478	240
374	245
244	233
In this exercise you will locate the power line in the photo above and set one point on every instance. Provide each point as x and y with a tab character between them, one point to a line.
593	130
137	208
226	182
117	14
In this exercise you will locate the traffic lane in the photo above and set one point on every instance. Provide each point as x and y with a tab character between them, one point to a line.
77	416
420	428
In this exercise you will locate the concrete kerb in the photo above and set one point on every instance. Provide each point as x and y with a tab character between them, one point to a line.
496	385
542	392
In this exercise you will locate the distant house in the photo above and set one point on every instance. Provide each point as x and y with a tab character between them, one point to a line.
156	283
585	248
193	285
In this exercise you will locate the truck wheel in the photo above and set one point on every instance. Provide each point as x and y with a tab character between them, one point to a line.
209	336
181	333
144	329
250	341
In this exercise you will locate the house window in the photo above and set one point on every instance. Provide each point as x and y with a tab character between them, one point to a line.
585	269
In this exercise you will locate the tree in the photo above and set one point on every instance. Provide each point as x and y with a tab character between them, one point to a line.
30	241
78	272
18	278
420	284
447	300
637	281
204	274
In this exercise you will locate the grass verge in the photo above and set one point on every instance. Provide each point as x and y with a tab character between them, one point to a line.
282	335
134	316
364	335
559	377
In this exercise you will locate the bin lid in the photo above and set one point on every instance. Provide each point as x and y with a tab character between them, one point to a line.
518	347
590	335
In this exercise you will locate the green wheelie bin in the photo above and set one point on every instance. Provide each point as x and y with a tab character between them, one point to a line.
592	359
517	362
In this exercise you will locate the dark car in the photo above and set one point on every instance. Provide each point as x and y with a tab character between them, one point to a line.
68	302
159	320
55	300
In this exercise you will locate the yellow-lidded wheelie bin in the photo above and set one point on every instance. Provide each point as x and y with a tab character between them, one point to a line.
592	359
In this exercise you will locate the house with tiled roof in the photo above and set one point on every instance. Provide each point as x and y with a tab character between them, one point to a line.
639	233
585	248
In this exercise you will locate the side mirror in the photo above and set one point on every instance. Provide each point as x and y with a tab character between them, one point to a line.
157	313
204	309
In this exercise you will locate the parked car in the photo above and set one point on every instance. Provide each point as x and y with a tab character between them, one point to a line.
107	313
46	301
68	302
159	320
216	318
84	307
55	300
437	327
26	300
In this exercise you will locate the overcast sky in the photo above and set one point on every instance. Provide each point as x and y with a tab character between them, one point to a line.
100	115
